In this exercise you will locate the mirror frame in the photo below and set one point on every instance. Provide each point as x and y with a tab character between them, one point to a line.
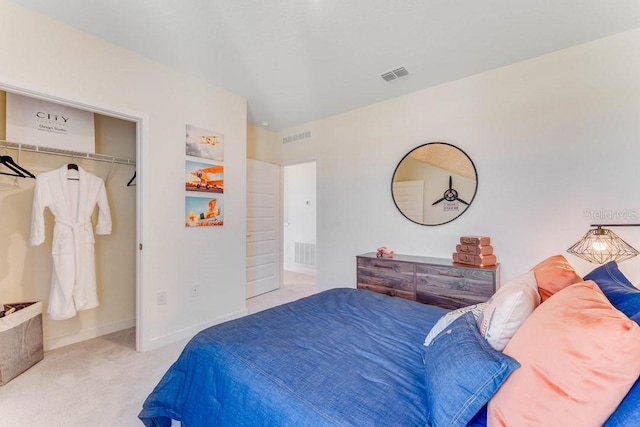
475	191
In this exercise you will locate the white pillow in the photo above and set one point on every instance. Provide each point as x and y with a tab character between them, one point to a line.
448	319
507	309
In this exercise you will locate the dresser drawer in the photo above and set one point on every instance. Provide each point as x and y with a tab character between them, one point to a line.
435	281
453	287
387	276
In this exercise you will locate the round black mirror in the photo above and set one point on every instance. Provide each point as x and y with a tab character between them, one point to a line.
434	183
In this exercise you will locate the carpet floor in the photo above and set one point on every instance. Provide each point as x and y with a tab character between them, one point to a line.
104	381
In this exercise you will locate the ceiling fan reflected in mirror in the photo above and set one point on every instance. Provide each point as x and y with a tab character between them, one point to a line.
450	195
418	178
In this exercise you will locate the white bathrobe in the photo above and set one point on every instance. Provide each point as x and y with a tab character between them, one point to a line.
72	197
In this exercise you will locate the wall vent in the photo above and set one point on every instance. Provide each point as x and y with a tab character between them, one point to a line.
305	254
394	74
296	137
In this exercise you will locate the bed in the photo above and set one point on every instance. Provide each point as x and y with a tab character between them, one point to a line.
351	357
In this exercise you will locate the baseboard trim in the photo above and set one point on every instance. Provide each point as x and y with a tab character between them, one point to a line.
189	332
300	269
88	334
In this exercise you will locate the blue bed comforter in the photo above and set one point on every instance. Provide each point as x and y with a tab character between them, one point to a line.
343	357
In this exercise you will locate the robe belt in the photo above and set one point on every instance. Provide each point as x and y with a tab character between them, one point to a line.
76	230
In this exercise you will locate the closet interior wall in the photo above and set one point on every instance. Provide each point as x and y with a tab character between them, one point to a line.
25	271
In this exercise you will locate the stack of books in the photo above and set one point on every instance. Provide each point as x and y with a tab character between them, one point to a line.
476	251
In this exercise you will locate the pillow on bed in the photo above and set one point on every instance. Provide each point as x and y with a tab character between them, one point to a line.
618	289
554	274
579	358
448	318
507	309
462	373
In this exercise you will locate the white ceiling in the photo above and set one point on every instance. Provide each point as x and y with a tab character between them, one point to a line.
301	60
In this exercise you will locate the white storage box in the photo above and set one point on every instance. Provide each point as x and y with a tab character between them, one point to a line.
20	339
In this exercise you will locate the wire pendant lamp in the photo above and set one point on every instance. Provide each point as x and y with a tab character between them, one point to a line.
601	245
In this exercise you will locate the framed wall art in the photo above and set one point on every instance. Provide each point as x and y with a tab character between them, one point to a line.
204	143
203	211
204	177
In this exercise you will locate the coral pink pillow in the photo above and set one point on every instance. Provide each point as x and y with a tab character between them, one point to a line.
579	357
553	274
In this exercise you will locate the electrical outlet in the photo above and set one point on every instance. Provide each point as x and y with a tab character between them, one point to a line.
195	289
161	298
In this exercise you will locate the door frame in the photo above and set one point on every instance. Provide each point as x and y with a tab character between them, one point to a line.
142	145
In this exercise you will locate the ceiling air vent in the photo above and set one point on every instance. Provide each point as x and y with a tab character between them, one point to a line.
296	137
394	74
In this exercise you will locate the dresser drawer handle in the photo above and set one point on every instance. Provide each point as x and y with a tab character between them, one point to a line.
460	276
383	266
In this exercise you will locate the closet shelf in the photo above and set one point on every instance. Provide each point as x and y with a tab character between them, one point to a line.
75	154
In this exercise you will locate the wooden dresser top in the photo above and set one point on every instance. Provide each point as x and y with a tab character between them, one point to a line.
426	260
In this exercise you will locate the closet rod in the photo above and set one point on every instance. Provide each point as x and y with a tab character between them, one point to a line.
74	154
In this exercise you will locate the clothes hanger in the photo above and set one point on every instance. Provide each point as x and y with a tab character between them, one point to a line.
17	170
71	167
133	178
17	166
8	161
14	173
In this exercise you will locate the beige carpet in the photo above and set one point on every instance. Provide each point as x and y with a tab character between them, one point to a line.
99	382
295	286
103	381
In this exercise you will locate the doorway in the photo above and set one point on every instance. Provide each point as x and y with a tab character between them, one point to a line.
288	263
299	218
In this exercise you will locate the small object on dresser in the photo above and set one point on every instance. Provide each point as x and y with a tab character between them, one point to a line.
383	252
475	260
475	240
474	249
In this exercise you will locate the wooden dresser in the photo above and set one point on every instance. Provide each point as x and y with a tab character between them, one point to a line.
435	281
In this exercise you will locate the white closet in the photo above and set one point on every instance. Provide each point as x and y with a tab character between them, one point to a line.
25	271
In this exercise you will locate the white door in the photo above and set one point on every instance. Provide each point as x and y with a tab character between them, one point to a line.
263	228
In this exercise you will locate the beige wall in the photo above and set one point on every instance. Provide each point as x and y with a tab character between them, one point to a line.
554	139
78	68
263	144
